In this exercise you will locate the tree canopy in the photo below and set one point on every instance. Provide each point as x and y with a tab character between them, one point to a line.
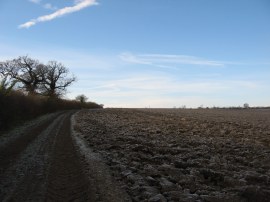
35	77
81	98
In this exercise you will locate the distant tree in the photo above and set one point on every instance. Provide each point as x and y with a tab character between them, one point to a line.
200	107
27	71
246	105
56	80
81	98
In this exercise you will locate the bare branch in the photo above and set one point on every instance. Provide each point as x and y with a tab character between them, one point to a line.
56	79
27	71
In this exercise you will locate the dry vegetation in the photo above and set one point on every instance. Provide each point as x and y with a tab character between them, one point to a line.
16	107
183	155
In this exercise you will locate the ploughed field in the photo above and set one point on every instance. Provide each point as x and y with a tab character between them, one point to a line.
183	154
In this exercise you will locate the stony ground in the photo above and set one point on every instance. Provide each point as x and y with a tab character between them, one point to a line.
183	155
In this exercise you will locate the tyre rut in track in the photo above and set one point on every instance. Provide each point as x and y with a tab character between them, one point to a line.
12	150
66	178
24	179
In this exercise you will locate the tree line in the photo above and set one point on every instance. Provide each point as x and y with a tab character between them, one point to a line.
29	88
36	78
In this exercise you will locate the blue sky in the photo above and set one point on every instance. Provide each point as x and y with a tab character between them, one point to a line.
157	53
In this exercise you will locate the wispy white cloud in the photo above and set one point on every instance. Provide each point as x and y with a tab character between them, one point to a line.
164	60
162	85
106	79
49	6
163	91
79	5
27	24
35	1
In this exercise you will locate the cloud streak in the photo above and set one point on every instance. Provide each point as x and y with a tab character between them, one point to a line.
166	59
49	6
35	1
79	5
164	91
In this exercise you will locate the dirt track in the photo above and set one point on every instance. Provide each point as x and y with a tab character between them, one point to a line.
43	162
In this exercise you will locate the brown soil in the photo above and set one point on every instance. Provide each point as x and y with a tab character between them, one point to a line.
10	152
183	155
151	155
66	178
43	163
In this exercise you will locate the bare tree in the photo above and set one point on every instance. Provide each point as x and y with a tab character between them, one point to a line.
25	70
246	105
56	79
50	80
81	98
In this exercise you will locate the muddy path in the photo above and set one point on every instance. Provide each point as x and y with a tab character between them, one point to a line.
10	151
43	162
66	178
